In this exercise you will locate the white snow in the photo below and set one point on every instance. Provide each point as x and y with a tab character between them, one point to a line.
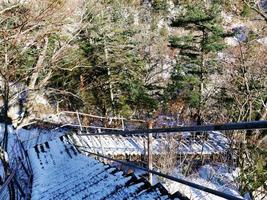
219	178
16	159
35	136
135	145
231	41
60	172
263	41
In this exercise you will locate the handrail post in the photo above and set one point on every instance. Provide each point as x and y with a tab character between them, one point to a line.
122	124
149	150
78	117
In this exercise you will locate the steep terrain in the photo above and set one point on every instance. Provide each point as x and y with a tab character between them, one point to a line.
61	172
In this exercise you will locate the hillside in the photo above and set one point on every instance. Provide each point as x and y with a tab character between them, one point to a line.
104	67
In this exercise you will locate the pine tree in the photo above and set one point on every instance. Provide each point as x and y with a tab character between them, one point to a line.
204	37
115	82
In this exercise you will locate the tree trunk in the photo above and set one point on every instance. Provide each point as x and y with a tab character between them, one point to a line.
201	84
110	84
5	115
39	66
4	158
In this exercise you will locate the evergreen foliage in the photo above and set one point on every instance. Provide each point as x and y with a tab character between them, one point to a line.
113	58
115	82
204	37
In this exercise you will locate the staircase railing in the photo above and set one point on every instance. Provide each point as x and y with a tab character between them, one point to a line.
151	133
83	147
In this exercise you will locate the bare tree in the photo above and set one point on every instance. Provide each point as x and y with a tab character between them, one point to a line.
167	158
35	36
244	81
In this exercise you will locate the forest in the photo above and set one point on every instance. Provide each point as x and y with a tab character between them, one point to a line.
195	61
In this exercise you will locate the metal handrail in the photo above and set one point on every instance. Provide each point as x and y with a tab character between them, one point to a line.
182	181
93	127
74	126
100	117
217	127
89	115
78	114
204	128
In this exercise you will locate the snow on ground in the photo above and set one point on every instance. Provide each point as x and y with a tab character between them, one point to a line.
13	150
219	178
16	159
61	172
35	136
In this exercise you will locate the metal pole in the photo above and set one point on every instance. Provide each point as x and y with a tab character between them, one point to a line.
212	127
182	181
122	124
100	141
150	165
149	149
78	117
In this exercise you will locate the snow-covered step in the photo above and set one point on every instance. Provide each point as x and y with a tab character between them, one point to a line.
60	172
126	192
121	145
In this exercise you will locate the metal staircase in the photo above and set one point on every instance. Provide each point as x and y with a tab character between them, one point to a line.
61	172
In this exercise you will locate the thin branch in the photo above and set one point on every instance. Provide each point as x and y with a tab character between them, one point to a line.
73	68
9	8
64	92
257	9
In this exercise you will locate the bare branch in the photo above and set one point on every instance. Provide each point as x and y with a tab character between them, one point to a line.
257	9
39	65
